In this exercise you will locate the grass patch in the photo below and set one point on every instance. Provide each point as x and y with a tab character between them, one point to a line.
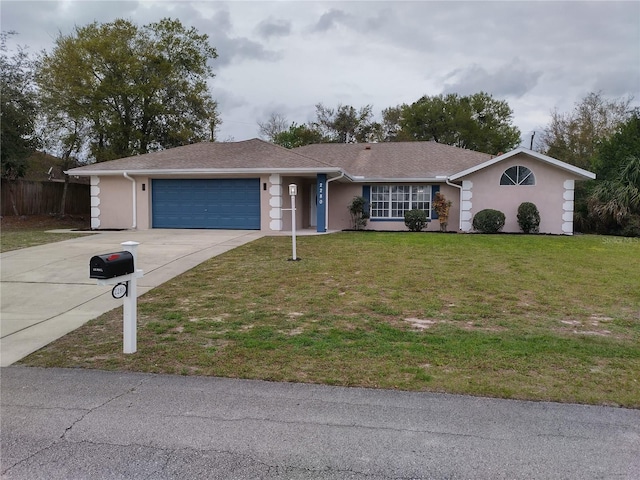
32	230
512	316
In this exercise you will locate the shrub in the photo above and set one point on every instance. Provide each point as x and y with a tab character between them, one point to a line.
441	205
632	228
415	220
359	215
528	217
488	221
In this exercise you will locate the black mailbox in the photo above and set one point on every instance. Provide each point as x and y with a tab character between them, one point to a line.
111	265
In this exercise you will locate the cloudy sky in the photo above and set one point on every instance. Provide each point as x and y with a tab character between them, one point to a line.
285	57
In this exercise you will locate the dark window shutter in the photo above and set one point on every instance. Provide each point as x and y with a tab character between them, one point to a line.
366	193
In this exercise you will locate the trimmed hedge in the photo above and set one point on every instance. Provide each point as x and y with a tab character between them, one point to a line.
528	217
488	221
415	220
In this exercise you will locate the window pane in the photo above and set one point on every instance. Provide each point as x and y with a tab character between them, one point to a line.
421	198
392	201
510	176
400	200
380	201
506	180
517	175
526	177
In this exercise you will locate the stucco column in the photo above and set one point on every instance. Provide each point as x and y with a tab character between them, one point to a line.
567	207
466	205
95	202
275	202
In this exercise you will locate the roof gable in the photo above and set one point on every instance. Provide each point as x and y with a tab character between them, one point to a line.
585	174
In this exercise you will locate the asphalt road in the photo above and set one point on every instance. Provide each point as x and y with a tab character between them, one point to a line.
83	424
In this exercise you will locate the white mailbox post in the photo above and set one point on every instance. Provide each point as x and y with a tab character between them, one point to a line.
125	286
293	191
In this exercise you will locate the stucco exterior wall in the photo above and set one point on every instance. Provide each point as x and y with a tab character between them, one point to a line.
115	208
143	194
453	195
111	201
341	195
552	194
112	196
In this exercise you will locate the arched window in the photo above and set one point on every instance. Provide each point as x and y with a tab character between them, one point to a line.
517	175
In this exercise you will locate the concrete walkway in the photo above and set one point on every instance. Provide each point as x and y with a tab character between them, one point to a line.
90	424
45	291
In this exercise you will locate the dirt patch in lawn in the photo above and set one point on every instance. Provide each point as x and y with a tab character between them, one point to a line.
420	323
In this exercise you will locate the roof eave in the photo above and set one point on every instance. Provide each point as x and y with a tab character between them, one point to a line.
585	174
204	171
438	179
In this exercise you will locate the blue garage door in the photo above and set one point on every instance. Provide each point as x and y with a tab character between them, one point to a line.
206	203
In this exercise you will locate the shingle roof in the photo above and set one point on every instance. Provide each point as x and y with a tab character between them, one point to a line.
393	160
252	154
396	160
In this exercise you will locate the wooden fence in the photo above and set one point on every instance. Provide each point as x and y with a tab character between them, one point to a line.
43	198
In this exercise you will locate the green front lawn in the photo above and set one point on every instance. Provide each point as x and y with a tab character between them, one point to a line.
32	230
513	316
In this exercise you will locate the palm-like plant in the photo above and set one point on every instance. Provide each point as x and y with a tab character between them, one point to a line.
618	199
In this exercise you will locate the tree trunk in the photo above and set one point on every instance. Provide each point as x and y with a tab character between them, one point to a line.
444	220
63	203
12	195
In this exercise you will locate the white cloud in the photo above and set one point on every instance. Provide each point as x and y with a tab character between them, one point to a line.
273	28
292	55
510	80
330	20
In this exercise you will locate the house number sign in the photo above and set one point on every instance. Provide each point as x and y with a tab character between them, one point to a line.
119	290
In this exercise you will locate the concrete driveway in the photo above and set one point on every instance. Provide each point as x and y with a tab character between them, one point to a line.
45	291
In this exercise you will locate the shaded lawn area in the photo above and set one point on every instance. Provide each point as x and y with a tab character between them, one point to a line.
32	230
512	316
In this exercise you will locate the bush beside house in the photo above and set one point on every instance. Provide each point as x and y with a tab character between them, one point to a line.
358	212
441	205
415	220
528	217
488	221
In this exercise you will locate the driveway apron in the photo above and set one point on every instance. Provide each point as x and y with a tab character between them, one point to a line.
46	292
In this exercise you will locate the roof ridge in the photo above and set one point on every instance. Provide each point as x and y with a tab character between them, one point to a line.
292	150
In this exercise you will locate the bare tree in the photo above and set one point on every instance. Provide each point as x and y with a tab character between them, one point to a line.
275	125
67	137
574	136
345	124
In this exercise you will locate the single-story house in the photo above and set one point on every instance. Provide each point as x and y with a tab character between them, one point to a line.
245	185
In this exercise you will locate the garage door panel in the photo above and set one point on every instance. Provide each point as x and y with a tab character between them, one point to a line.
206	203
